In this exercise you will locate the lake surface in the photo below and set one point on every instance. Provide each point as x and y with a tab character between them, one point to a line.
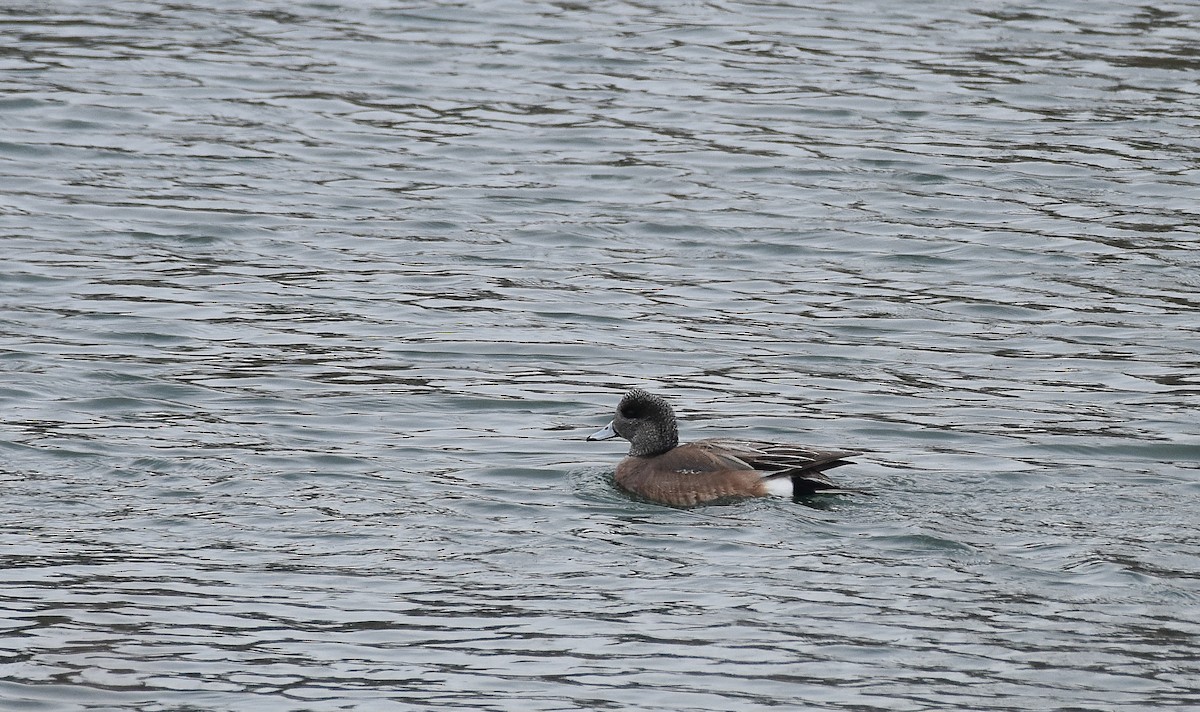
307	309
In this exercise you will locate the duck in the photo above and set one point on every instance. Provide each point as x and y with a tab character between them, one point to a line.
714	470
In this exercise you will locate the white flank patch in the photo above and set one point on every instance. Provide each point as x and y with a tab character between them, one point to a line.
780	486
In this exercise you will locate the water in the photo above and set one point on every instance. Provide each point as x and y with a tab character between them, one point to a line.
308	307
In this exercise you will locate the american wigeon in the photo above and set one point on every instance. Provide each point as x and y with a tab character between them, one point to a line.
661	470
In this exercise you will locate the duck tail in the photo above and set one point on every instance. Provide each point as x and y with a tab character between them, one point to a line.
810	480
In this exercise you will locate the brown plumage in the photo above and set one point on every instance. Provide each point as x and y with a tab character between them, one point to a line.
659	469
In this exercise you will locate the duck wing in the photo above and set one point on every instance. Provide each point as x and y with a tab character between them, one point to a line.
804	465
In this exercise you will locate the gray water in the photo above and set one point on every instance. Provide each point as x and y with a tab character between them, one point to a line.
308	307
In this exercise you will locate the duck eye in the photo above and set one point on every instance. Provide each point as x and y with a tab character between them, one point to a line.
631	411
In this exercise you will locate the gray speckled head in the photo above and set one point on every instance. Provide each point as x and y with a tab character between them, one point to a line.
647	422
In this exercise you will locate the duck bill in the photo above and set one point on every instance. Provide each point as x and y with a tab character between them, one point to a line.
608	432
